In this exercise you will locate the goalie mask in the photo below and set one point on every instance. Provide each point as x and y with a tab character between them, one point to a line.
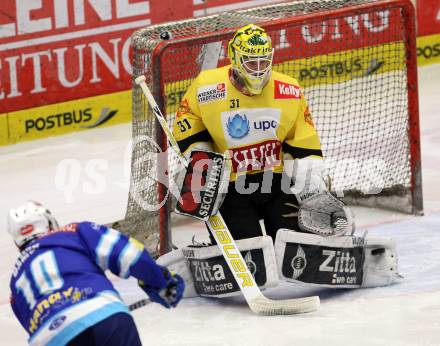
251	52
28	221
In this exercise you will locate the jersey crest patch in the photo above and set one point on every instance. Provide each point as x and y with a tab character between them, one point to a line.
211	93
184	108
308	117
286	91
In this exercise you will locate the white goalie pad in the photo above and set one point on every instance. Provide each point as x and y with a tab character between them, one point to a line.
176	262
345	262
206	273
212	276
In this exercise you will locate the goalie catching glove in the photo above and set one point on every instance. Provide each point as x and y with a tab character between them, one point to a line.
319	211
203	184
168	296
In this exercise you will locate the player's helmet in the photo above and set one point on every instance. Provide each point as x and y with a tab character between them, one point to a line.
251	52
28	221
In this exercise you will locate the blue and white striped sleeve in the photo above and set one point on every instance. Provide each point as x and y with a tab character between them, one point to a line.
123	256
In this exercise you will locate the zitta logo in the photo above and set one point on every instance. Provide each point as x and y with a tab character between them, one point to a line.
238	126
105	116
299	263
204	272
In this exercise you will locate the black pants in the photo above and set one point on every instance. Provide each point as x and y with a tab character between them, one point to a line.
116	330
243	212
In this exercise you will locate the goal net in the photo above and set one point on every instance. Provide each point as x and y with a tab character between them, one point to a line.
356	63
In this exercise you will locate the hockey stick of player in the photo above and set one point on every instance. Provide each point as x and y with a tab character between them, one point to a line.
139	304
257	302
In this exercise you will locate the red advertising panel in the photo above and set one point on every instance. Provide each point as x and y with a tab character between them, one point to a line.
59	51
302	41
54	51
428	17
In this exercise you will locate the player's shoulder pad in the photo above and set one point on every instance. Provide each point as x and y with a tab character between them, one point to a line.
284	78
91	226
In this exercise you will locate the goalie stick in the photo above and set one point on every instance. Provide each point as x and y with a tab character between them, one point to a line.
257	302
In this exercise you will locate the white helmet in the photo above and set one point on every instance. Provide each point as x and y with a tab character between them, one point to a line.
28	221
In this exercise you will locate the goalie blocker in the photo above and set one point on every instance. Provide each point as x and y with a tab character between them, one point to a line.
203	184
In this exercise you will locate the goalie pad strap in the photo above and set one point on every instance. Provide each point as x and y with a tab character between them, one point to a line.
345	262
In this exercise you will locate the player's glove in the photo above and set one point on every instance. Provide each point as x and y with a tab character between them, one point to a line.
319	211
322	213
168	296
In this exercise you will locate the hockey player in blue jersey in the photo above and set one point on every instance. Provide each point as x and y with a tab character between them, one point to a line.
60	293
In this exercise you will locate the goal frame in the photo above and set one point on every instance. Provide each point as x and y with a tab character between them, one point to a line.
408	14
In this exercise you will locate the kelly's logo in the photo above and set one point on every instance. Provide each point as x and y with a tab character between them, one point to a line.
286	91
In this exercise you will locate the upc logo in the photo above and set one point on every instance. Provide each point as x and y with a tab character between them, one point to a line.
238	126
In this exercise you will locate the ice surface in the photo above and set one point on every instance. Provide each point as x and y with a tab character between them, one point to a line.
407	313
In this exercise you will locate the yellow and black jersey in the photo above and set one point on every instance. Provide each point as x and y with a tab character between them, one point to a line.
256	130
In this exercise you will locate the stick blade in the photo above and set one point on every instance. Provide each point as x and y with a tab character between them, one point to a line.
269	307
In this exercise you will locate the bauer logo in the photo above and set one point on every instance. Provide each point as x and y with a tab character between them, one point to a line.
211	93
286	91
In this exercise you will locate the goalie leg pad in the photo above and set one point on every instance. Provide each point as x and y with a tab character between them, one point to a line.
177	263
345	262
212	276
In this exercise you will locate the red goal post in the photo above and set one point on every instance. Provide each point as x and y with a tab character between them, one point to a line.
356	62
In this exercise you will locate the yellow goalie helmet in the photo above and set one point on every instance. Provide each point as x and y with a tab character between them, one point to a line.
251	52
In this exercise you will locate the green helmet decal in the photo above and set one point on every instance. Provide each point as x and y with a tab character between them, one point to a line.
257	40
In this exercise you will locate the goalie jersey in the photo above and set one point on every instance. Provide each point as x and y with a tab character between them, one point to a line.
58	284
256	130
